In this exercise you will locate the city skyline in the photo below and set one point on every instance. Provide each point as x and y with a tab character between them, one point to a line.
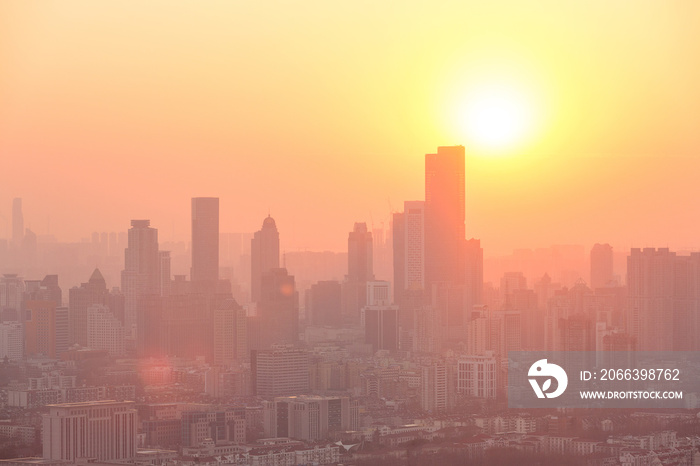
230	133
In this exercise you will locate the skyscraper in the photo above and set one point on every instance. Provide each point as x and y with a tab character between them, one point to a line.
444	216
278	308
17	222
264	255
360	257
205	239
601	266
414	218
141	275
360	271
81	298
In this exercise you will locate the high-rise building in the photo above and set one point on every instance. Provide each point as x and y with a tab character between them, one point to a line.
445	215
102	430
309	418
601	266
81	298
434	386
105	331
360	257
663	300
382	327
230	333
360	271
141	275
11	341
477	376
11	295
398	230
205	239
324	304
40	328
280	371
414	241
264	255
17	222
278	309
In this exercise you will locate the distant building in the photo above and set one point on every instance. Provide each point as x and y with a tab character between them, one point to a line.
278	309
230	334
205	240
11	341
221	427
103	430
280	371
105	331
141	275
360	271
87	294
602	274
264	255
477	376
309	418
324	304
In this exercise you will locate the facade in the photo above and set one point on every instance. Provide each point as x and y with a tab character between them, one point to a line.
230	334
280	371
477	376
40	328
222	427
11	341
94	291
324	304
309	418
105	332
414	243
141	275
103	430
445	215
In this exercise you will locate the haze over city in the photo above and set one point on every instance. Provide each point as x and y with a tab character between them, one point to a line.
362	233
321	114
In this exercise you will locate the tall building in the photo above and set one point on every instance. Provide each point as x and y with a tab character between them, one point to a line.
360	271
382	327
477	376
279	371
278	309
309	418
324	304
17	222
264	255
11	341
445	215
434	387
360	256
663	299
601	266
399	254
40	328
205	239
105	331
230	333
81	298
11	295
103	430
414	243
141	275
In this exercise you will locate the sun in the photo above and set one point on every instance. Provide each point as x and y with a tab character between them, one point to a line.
497	118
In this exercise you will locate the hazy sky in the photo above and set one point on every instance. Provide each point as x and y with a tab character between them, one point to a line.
321	112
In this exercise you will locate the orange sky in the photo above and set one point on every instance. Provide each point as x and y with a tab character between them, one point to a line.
322	112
